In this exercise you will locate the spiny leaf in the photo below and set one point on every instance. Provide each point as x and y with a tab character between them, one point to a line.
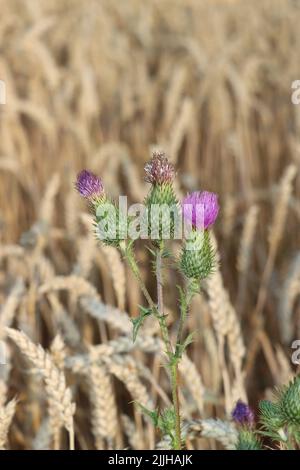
166	253
182	347
152	414
138	321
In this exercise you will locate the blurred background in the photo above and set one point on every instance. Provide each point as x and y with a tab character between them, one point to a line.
98	85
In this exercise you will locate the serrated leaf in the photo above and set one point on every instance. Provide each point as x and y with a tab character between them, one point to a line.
152	414
166	253
181	294
145	311
182	347
138	321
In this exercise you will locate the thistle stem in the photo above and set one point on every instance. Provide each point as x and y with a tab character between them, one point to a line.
176	404
183	315
129	255
184	308
158	312
173	364
160	301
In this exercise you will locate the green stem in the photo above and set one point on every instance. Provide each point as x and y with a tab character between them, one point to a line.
183	315
172	360
176	404
184	307
160	302
159	314
127	252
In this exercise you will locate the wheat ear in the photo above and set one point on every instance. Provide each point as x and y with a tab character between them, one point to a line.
61	407
104	412
6	415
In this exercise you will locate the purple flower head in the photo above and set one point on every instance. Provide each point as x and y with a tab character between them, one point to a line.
159	170
89	185
201	209
242	414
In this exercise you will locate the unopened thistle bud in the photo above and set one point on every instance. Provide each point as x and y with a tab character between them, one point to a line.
242	414
289	402
161	201
200	210
247	440
270	415
197	258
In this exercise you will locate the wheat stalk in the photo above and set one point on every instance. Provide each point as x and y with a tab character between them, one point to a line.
117	273
290	291
9	309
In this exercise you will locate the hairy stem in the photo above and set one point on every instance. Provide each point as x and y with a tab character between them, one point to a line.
158	312
192	287
175	399
182	319
173	365
160	301
128	254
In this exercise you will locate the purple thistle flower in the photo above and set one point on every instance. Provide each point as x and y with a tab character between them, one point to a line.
89	185
201	209
159	170
242	414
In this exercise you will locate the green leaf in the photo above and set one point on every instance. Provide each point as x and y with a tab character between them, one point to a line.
138	321
182	347
166	253
181	292
152	414
151	251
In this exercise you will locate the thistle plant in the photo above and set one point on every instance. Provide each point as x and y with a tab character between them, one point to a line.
163	215
279	421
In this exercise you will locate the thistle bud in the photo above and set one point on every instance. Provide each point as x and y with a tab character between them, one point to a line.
161	202
198	257
200	210
247	440
270	415
289	402
242	414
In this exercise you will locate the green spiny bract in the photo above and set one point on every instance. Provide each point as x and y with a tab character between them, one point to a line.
110	226
162	211
198	257
270	415
289	402
247	440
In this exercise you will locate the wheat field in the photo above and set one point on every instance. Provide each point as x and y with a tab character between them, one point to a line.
98	85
